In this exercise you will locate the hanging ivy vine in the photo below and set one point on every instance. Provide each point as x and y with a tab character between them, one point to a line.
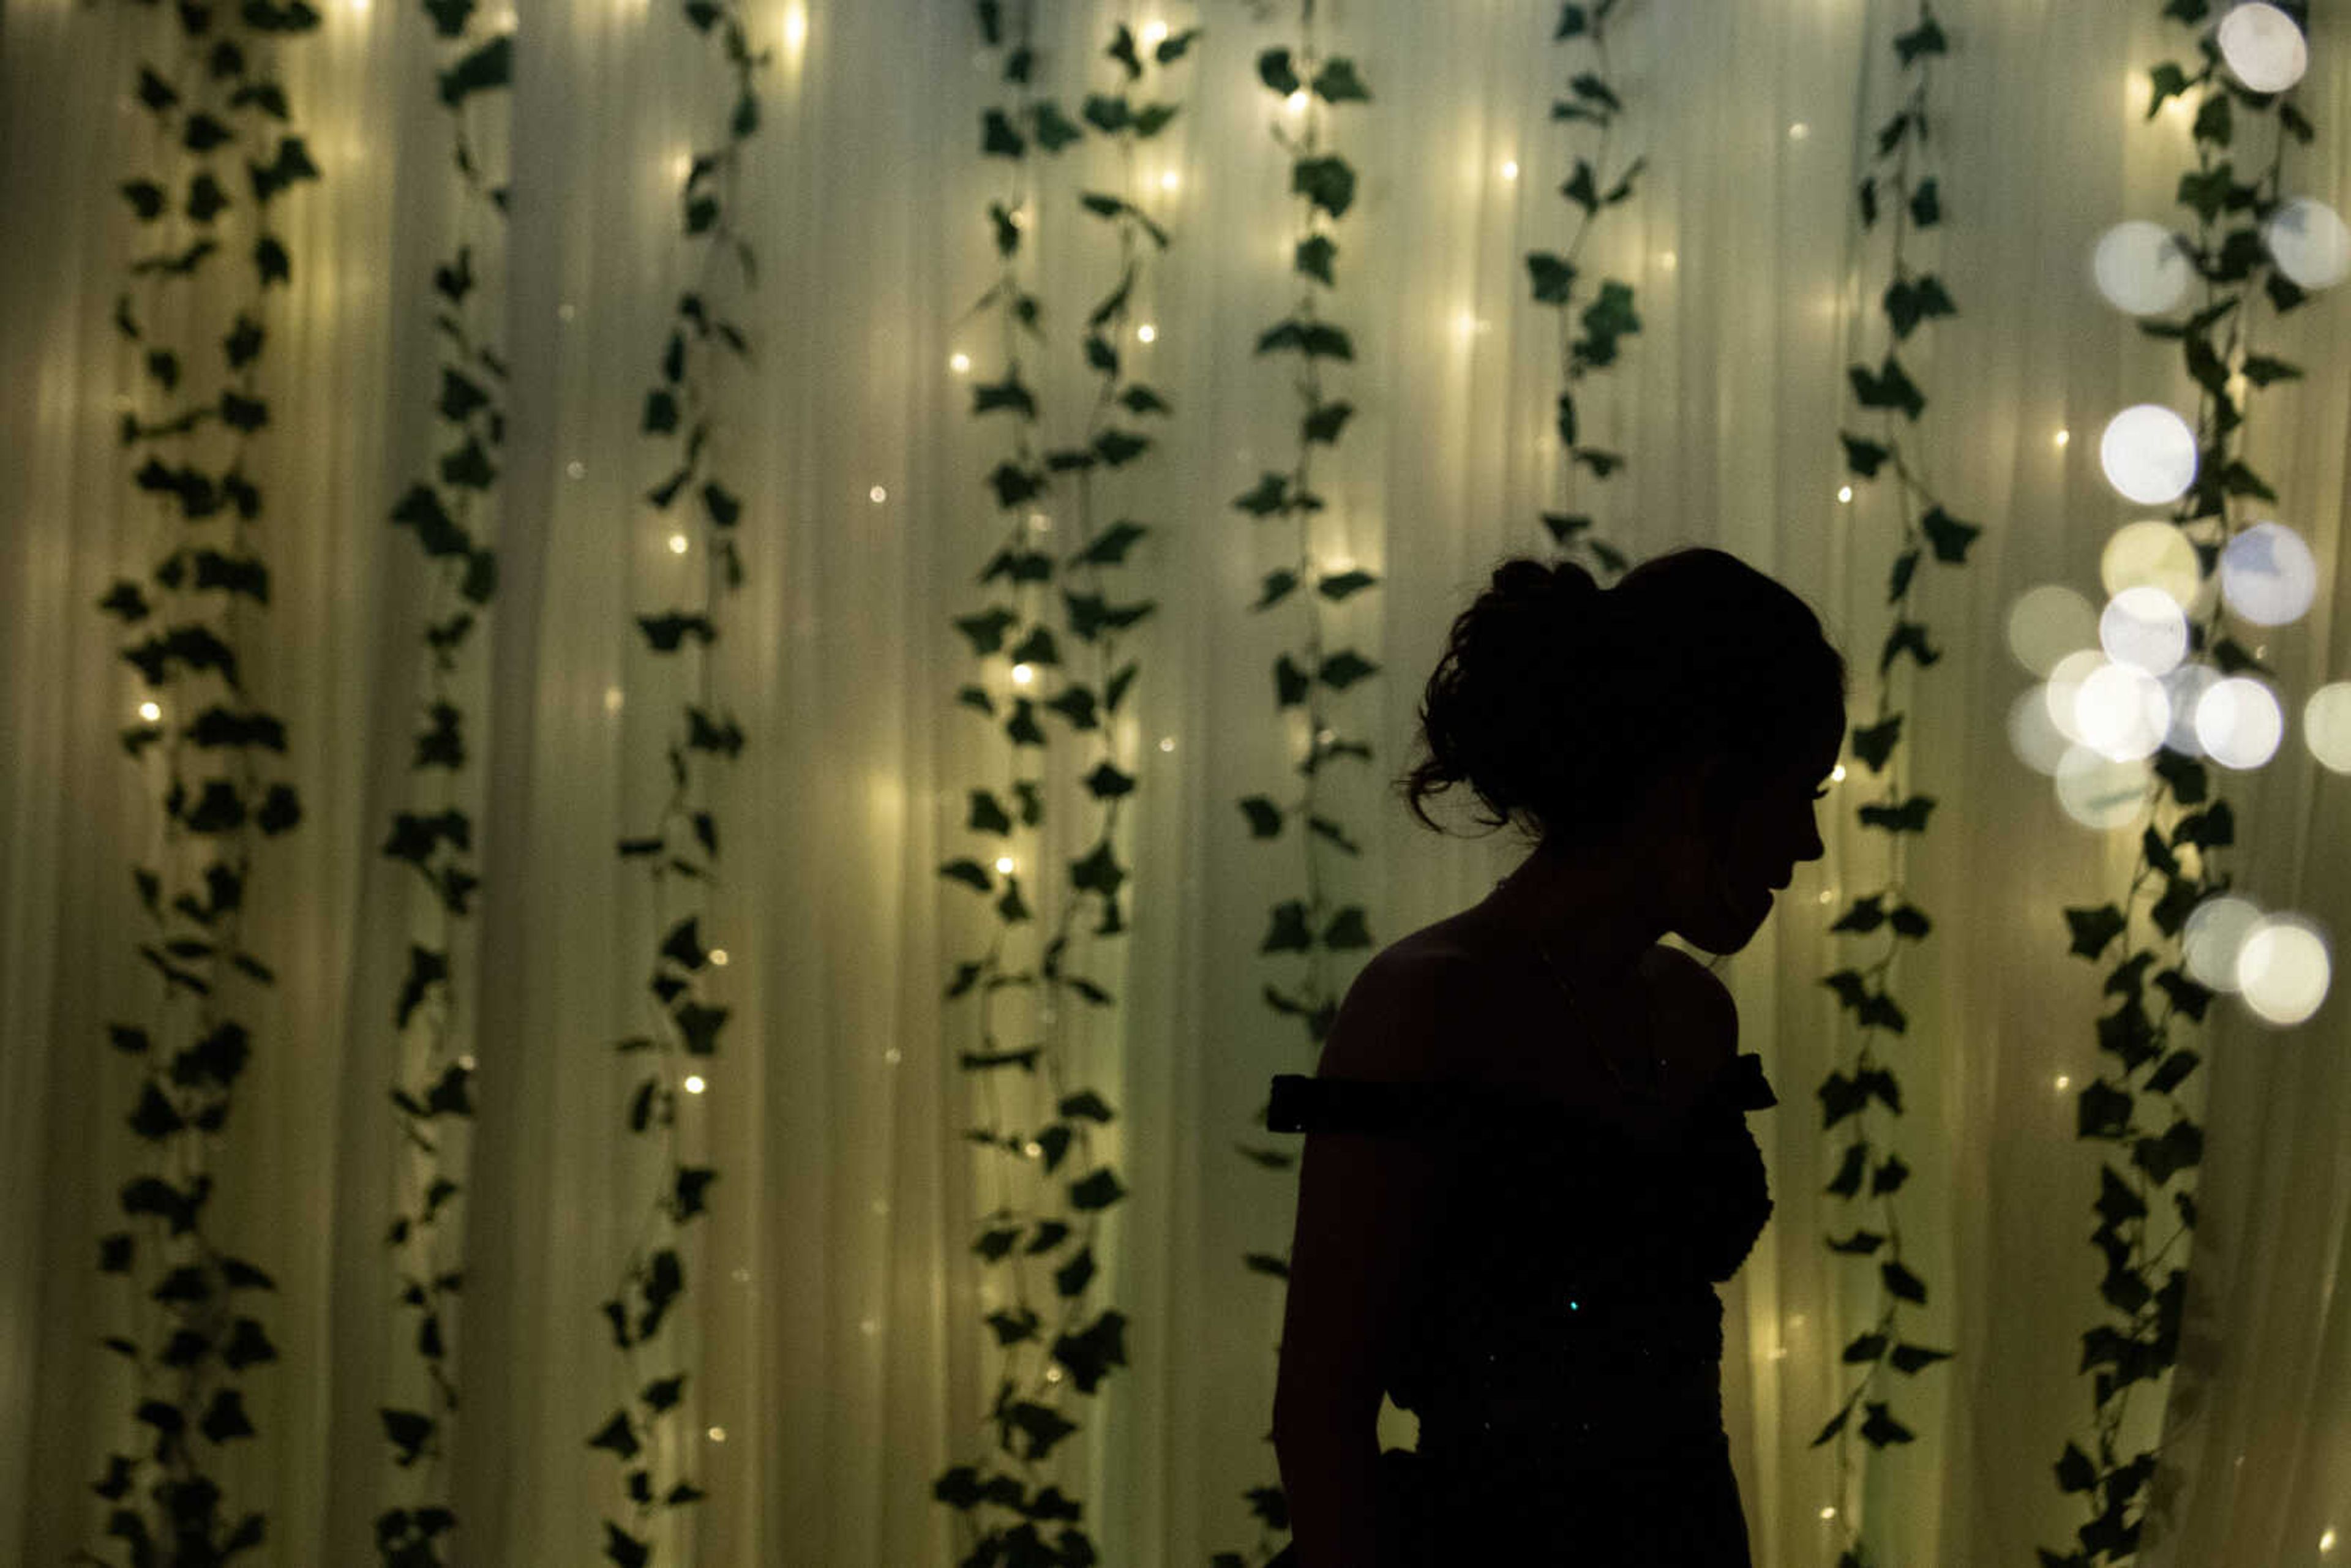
434	832
684	408
1898	190
1007	1504
223	152
2156	1000
1308	84
1592	101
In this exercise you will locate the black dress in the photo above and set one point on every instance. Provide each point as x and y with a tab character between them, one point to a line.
1564	1353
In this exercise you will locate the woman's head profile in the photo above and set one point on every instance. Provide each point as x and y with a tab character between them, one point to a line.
1562	705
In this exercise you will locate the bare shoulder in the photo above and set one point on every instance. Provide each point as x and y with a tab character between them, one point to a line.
1391	1025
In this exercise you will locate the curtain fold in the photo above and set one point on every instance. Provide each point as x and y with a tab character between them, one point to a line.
833	1322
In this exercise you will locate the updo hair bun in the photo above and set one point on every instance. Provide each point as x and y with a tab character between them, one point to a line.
1562	702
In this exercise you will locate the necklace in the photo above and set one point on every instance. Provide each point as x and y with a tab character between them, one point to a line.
1653	1090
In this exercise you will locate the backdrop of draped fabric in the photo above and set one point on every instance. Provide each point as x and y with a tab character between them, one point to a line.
848	1365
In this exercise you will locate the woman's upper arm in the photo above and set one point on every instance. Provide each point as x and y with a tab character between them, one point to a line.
1366	1205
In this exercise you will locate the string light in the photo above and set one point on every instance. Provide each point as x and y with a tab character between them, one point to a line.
892	1056
1052	1374
1844	494
566	311
611	699
2061	438
1509	168
2063	1080
1837	774
718	1434
718	956
467	1062
959	363
150	711
795	27
1668	260
694	1083
1166	743
575	468
1146	333
1170	180
1799	131
1296	101
1004	864
1154	33
677	544
1033	1150
877	495
1022	675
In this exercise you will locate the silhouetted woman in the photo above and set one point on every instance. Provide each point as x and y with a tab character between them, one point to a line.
1527	1162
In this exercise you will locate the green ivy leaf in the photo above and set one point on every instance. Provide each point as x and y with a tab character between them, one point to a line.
1553	278
1274	69
1336	82
1948	536
1327	183
1314	255
997	139
1925	39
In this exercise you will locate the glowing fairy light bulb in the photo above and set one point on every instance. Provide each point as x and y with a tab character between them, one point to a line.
1022	675
959	363
2061	438
1154	33
1509	168
150	711
1004	864
877	495
718	956
1146	333
1296	101
795	27
677	545
1844	494
1170	180
694	1083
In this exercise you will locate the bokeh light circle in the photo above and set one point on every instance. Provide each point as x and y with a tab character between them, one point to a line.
2063	692
2048	623
2283	970
2122	713
2264	47
2186	687
2267	575
2215	934
2327	725
2239	721
2033	735
2152	553
2148	453
2139	268
2101	792
2308	241
2144	627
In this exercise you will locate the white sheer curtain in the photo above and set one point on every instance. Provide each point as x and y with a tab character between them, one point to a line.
846	1364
